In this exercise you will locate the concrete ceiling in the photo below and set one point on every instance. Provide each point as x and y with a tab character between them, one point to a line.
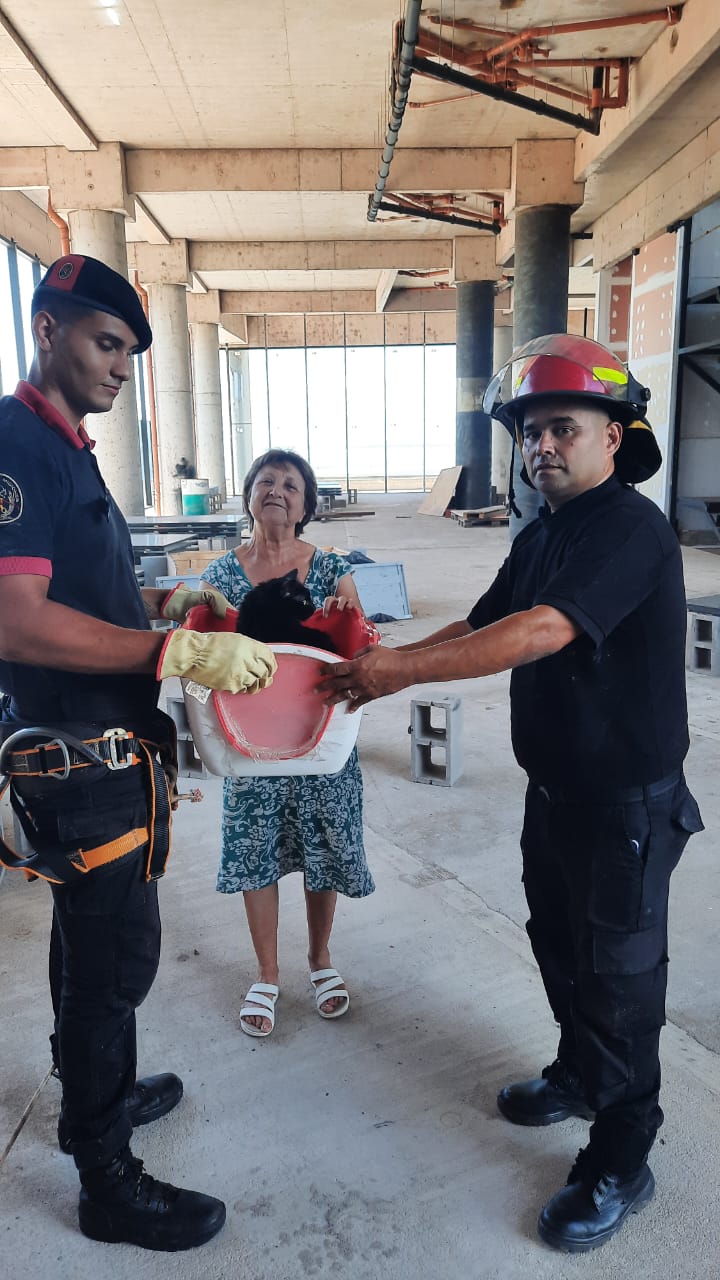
170	74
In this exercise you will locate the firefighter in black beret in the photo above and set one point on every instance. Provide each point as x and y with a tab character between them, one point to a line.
589	612
88	757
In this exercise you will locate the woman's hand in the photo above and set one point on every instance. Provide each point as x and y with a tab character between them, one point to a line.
336	602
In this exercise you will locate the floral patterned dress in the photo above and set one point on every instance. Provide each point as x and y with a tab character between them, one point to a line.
310	823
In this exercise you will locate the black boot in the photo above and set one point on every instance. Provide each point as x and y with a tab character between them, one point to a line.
121	1203
556	1096
593	1206
151	1098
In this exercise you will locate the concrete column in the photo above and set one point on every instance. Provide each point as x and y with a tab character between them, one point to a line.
240	414
101	234
542	268
208	404
475	312
501	438
173	386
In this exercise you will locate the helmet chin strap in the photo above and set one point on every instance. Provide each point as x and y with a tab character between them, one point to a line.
511	484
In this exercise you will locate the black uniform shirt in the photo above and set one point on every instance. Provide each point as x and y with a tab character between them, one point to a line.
609	710
57	519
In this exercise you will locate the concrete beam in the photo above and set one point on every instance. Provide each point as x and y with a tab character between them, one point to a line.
432	299
319	255
474	259
284	169
204	308
22	167
543	172
88	180
45	95
384	289
361	330
236	325
147	224
505	246
278	302
22	221
161	263
667	65
678	189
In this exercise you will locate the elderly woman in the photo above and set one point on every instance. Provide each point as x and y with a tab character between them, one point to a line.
312	824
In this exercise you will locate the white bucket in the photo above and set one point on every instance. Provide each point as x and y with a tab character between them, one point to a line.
283	730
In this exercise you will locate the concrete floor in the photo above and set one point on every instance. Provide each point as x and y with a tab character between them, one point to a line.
370	1147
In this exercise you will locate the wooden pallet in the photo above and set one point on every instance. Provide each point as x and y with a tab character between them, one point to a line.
481	515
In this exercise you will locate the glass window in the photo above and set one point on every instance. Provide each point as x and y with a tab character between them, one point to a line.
8	353
326	412
225	403
27	287
366	417
144	426
287	396
259	402
404	416
439	410
372	417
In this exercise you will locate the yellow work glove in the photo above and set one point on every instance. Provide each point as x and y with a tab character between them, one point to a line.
219	660
178	602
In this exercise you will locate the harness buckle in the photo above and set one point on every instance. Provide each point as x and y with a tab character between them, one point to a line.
112	737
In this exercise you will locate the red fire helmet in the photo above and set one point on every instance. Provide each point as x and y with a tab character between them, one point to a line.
564	366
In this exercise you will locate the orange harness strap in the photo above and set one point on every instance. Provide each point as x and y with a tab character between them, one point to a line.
89	859
49	864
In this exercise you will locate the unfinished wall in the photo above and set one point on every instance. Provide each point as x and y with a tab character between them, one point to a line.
699	449
652	346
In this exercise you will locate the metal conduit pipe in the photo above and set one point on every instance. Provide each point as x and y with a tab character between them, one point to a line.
440	71
402	75
417	212
62	226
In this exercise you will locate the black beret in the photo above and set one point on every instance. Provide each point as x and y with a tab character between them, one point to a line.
92	284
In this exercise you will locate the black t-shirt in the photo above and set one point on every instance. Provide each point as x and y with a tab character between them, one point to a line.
58	519
609	710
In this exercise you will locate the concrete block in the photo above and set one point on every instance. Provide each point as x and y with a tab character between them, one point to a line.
436	746
189	763
702	650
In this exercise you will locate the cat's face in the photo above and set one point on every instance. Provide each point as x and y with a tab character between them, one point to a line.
284	596
277	498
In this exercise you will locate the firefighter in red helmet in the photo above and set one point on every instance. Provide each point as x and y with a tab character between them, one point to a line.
588	611
562	365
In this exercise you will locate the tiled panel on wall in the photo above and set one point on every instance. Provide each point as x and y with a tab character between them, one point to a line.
613	314
652	343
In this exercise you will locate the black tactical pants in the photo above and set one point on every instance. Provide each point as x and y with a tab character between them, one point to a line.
596	879
104	952
108	930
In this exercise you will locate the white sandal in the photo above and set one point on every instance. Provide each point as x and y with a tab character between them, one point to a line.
332	988
263	995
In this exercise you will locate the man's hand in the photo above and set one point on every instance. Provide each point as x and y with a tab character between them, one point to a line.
375	674
178	602
219	660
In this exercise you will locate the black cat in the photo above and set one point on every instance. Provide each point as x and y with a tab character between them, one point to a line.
274	612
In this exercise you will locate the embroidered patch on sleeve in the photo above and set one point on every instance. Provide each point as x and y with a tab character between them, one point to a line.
11	499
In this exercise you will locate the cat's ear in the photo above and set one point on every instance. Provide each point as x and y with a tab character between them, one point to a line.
289	577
